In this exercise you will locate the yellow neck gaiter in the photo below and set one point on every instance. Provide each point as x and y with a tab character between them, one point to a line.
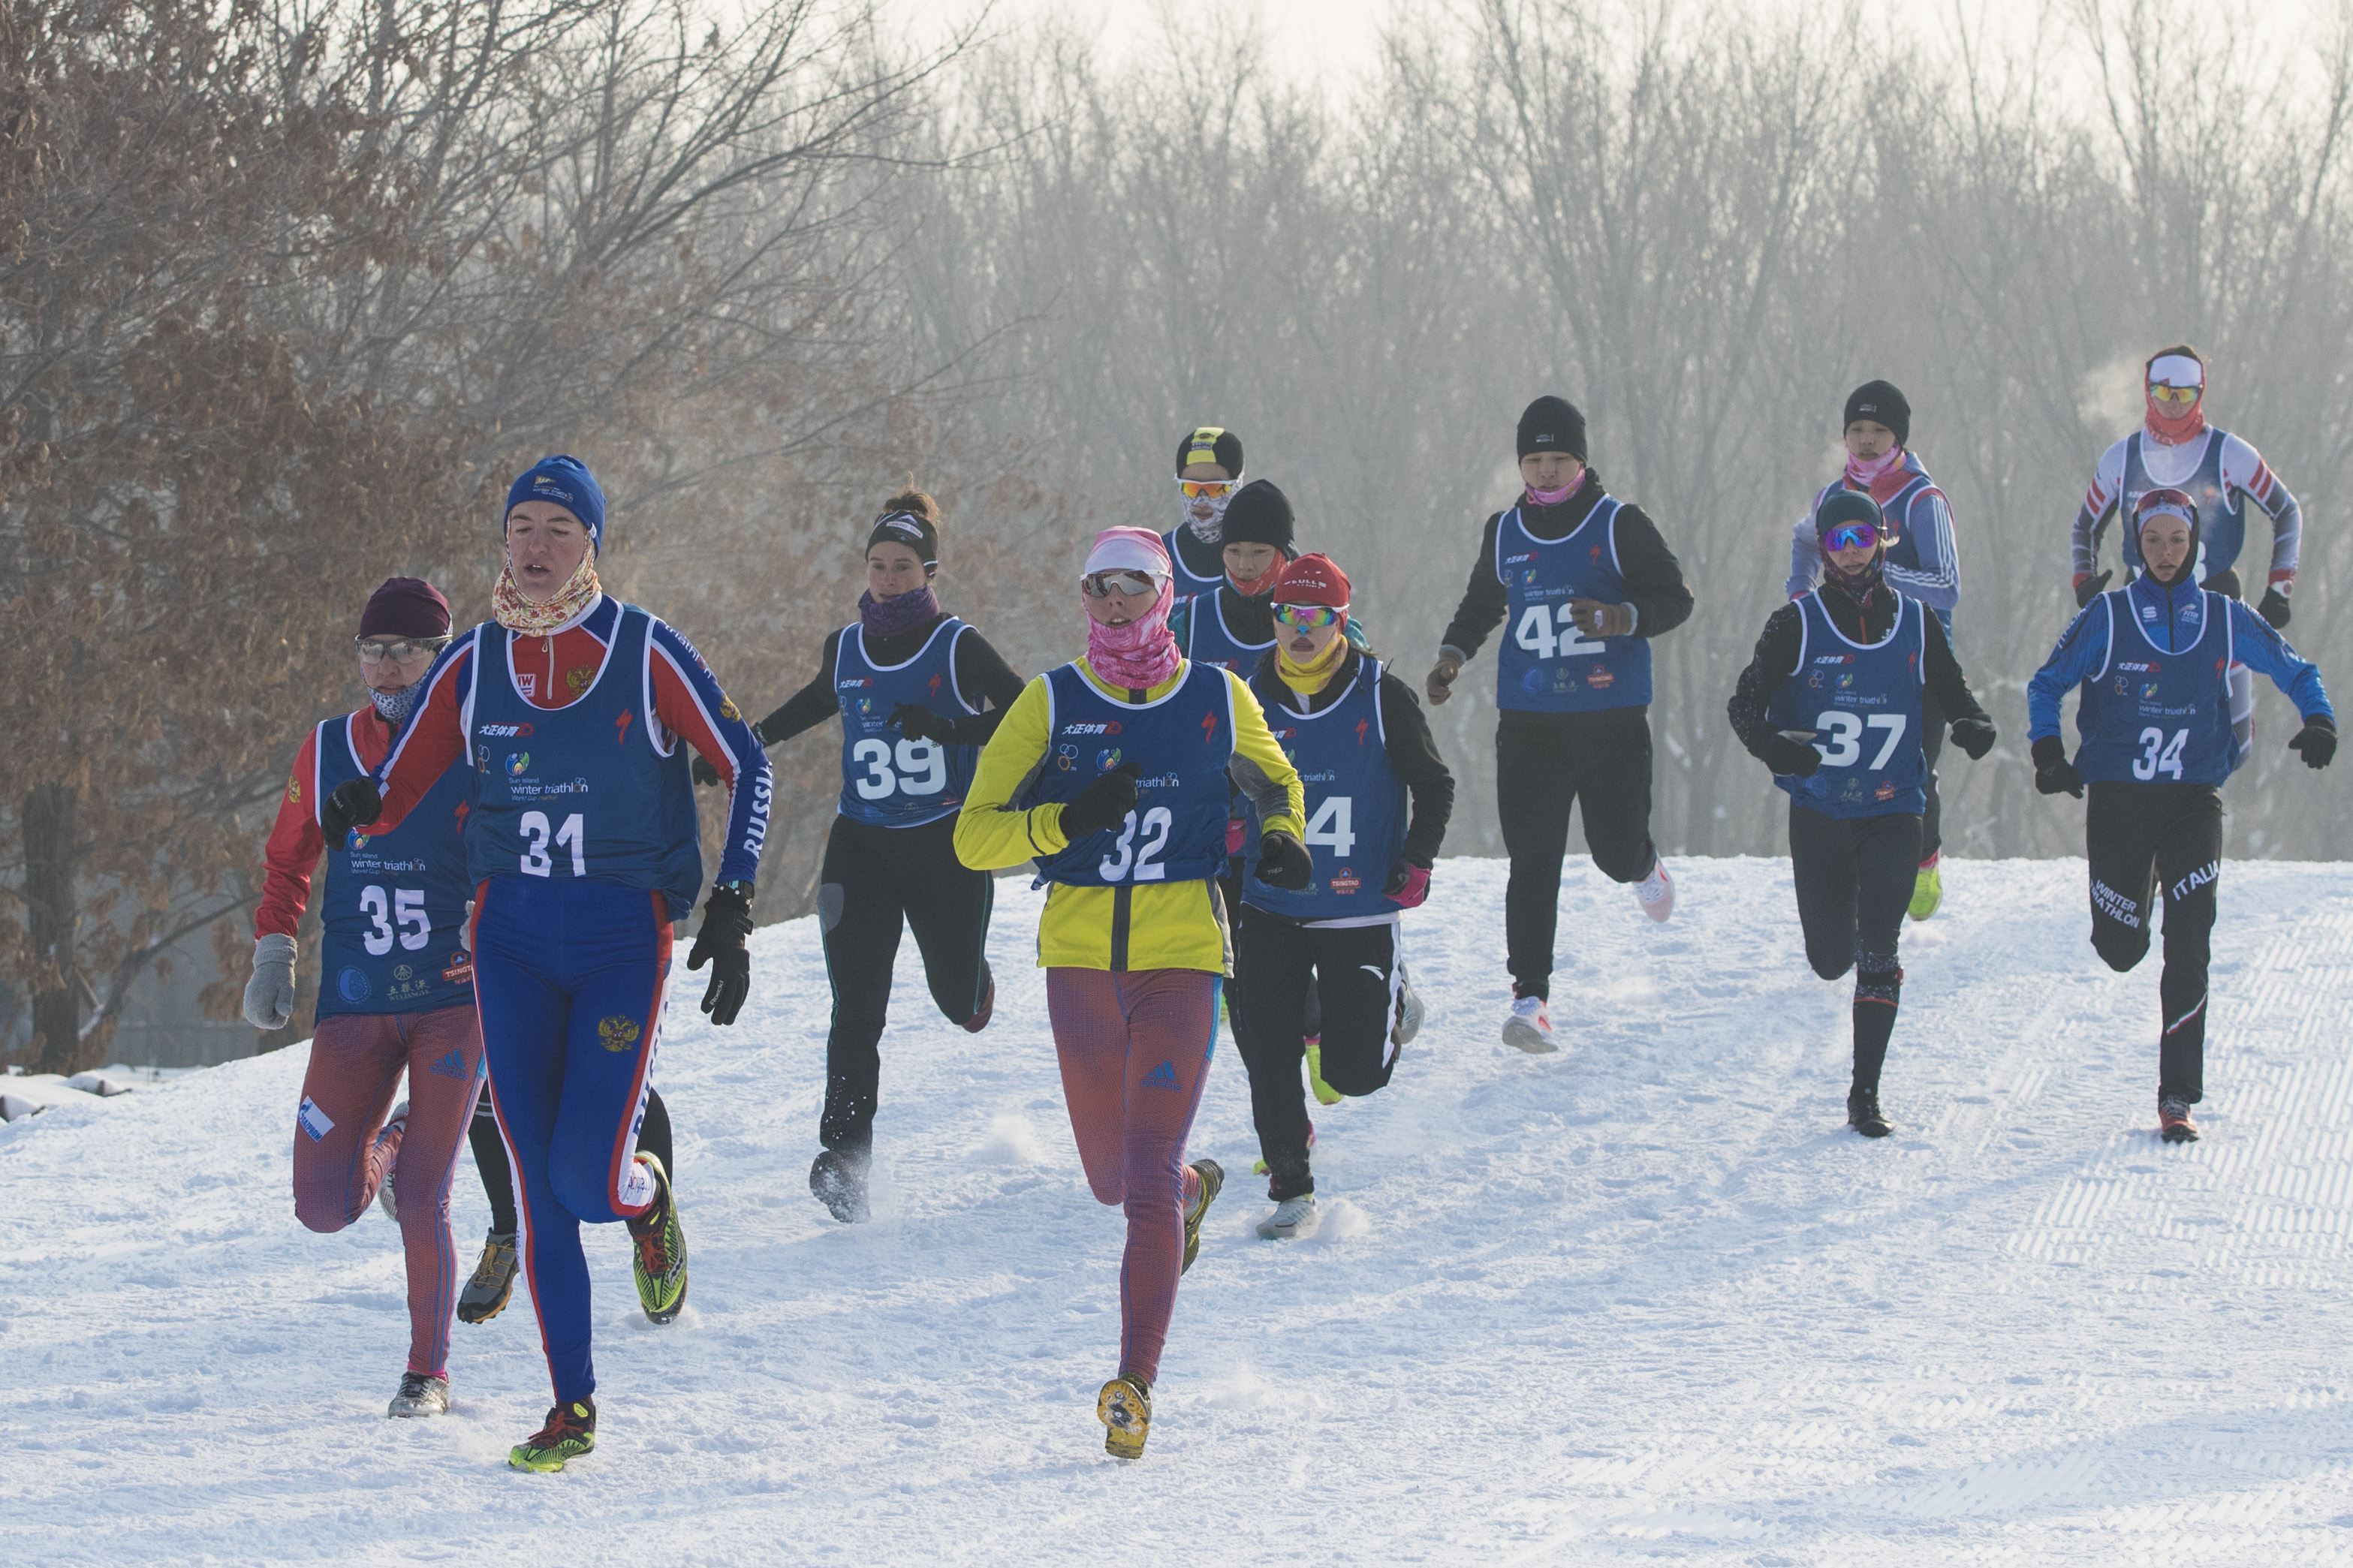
1309	679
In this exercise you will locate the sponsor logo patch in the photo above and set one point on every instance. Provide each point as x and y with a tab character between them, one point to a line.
353	985
504	731
314	1120
1163	1076
452	1065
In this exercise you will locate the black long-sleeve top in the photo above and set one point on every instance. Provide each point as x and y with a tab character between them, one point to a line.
1412	750
1654	578
978	668
1868	620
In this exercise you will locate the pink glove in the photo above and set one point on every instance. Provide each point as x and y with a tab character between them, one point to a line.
1409	884
1233	837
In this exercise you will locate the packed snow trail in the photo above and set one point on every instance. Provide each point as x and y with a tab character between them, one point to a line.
1645	1300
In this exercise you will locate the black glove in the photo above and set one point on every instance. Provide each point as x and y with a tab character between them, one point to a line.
2274	609
2316	740
1103	803
2054	773
2091	588
727	922
1974	736
353	803
704	773
1786	756
1283	862
918	723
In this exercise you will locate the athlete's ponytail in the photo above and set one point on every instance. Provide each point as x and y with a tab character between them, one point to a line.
911	518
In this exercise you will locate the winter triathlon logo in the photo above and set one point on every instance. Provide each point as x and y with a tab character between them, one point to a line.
1108	759
517	763
617	1033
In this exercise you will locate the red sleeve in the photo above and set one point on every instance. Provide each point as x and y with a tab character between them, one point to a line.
434	737
295	845
677	707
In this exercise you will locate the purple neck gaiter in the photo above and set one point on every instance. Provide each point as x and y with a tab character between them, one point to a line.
898	615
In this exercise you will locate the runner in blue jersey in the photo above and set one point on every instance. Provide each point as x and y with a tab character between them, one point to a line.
395	990
2153	662
1837	701
575	711
1584	582
1357	736
1209	472
918	693
1922	563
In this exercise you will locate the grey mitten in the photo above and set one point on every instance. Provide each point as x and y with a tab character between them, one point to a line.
269	994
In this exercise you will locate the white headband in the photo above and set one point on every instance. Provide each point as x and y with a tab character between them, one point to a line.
1125	552
2176	370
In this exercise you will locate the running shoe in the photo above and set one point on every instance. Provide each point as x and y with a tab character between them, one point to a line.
1529	1027
486	1294
659	1262
979	1020
570	1432
1656	892
1324	1093
1927	888
1409	1011
1213	1179
1292	1217
394	1125
839	1182
1124	1407
421	1394
2173	1120
1863	1113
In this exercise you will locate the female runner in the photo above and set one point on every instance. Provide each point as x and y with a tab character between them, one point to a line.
908	680
1112	772
1845	668
583	848
2155	662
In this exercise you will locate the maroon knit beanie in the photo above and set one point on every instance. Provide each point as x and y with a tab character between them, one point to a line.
405	607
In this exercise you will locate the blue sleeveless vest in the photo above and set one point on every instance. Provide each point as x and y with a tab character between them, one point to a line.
1208	640
1183	741
1545	664
887	780
2221	512
1355	803
584	791
1861	700
394	904
2153	717
1186	583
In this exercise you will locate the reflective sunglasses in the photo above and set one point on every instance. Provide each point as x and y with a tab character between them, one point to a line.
1308	617
1851	536
400	651
2184	395
1102	585
1197	489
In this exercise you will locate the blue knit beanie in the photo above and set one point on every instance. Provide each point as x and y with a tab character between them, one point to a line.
567	482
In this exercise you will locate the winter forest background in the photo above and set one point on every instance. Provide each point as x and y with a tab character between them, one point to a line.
290	290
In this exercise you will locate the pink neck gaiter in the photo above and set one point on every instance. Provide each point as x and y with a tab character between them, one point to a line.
2172	429
1553	498
1864	472
1141	654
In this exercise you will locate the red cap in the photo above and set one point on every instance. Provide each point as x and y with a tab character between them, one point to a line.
1311	580
405	607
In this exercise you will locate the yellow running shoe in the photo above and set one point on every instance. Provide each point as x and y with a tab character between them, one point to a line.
1124	1407
1927	892
659	1260
570	1432
1324	1093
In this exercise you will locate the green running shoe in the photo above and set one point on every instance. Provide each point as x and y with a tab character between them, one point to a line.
1213	1179
1124	1407
570	1432
1324	1093
1927	892
659	1261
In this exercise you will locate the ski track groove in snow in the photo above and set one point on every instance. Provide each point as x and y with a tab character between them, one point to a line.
1644	1301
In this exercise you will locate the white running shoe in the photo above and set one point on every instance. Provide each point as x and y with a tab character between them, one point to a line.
1408	1023
394	1125
1529	1027
1291	1219
1656	892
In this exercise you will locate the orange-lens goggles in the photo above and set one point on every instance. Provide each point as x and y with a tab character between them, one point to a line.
2178	396
1196	489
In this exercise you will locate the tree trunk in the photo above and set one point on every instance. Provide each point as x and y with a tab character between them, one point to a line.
50	857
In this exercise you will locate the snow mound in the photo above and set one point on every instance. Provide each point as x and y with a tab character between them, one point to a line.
1645	1300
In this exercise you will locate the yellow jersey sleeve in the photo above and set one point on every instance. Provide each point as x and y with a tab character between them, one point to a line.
990	834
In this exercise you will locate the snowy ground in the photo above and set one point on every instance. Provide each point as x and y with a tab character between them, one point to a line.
1644	1299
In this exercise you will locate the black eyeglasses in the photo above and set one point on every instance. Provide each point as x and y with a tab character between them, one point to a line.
400	651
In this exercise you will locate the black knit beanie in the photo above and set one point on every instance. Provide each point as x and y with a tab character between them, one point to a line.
1553	424
1258	514
1879	401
